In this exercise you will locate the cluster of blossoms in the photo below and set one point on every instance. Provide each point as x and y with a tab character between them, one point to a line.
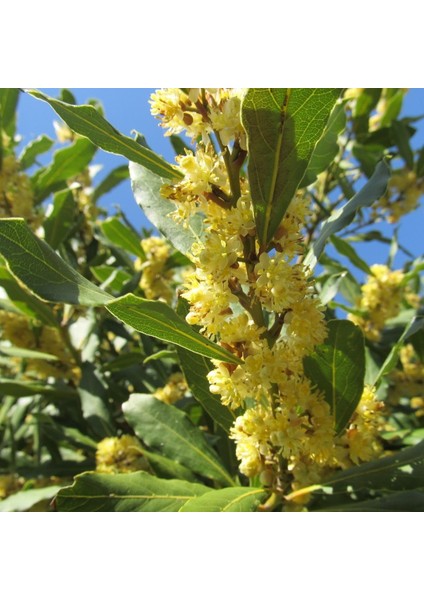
32	335
260	305
174	389
408	382
120	455
156	277
403	193
381	299
16	196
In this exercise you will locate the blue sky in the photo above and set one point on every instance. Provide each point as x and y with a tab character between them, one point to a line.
128	109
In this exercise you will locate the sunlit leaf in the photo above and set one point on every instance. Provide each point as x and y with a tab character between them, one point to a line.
343	216
283	126
161	321
337	368
38	267
166	429
133	492
88	122
146	188
236	499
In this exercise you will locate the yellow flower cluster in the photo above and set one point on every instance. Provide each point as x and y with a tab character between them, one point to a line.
408	382
403	193
381	299
199	112
156	278
259	305
120	455
24	333
173	390
16	196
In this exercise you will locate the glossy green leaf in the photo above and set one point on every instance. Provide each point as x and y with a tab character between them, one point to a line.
415	325
236	499
161	321
26	303
38	146
60	222
372	191
283	126
327	147
337	368
398	472
349	251
166	429
133	492
167	468
66	163
195	369
123	236
112	179
38	267
146	187
26	499
8	103
88	122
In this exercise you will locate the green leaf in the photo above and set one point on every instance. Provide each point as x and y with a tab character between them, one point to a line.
38	146
109	277
167	468
401	136
393	108
161	321
420	163
168	430
14	387
283	126
60	222
373	190
133	492
368	156
410	501
146	187
398	472
8	103
66	163
331	286
94	402
327	147
112	179
122	236
337	368
25	353
195	369
415	325
347	250
417	340
38	267
88	122
179	145
236	499
26	303
26	499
